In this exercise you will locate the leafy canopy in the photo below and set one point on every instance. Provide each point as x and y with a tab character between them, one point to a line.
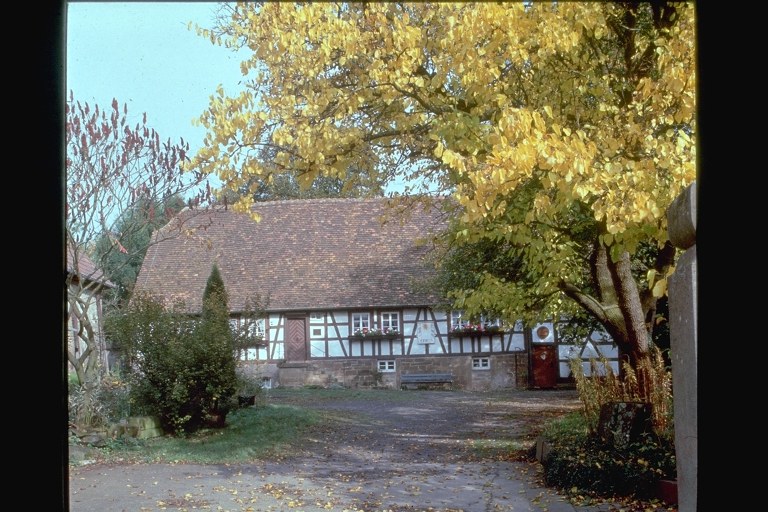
555	125
132	235
487	93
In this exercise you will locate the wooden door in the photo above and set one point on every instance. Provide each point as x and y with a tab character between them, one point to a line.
544	366
296	339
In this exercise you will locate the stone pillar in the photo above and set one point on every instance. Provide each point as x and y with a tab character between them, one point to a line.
681	219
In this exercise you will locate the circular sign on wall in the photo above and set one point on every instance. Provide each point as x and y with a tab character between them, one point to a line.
543	334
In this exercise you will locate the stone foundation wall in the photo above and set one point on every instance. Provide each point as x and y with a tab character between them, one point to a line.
269	373
506	371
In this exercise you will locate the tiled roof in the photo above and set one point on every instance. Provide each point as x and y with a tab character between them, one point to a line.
303	254
84	268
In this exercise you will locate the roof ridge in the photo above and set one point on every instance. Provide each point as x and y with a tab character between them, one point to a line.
321	200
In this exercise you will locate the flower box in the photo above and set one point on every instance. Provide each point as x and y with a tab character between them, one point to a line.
475	331
375	336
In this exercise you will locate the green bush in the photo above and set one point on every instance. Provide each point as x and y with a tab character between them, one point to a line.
571	428
249	385
181	369
580	463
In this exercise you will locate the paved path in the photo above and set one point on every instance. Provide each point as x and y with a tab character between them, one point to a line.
390	452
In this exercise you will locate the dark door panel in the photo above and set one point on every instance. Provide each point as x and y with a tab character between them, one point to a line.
296	340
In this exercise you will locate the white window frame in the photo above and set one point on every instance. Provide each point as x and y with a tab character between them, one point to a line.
256	327
481	363
386	365
493	322
360	321
391	320
248	354
456	318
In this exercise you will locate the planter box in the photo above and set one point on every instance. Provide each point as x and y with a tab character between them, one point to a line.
146	426
621	423
140	427
475	334
375	337
667	491
246	400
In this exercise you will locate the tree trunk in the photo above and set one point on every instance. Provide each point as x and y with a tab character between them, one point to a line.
619	308
86	364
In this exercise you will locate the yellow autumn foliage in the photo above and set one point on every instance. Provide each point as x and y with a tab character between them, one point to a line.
492	93
584	106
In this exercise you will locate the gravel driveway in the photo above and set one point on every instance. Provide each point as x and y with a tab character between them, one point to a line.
387	451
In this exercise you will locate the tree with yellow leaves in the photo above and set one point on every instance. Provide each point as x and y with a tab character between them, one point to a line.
563	131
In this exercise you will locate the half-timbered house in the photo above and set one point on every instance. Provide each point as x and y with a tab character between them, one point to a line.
342	281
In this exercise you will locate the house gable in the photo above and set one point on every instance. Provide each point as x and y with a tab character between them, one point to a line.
81	269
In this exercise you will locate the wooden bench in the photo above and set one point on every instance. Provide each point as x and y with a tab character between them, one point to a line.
424	379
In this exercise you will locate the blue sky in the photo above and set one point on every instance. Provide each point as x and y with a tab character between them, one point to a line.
143	55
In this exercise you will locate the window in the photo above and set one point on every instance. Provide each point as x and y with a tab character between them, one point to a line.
456	319
248	354
248	333
361	322
481	363
390	322
253	326
387	366
487	321
317	317
256	327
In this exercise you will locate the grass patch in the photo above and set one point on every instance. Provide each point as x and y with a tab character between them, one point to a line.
251	433
269	431
497	449
570	429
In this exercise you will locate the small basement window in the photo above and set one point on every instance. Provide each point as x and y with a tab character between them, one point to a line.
387	365
481	363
